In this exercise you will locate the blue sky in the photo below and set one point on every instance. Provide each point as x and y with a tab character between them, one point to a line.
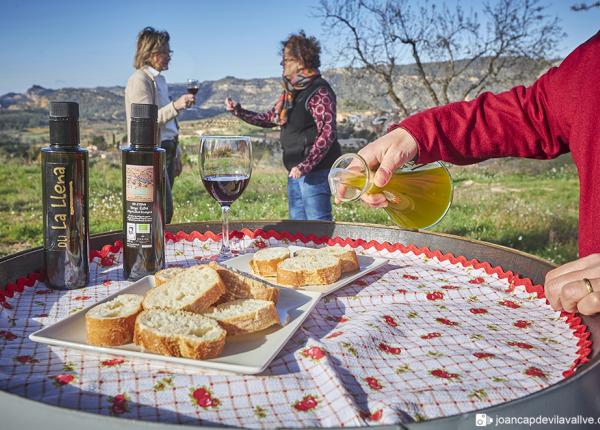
89	43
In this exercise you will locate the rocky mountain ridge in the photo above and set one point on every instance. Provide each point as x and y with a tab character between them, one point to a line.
355	89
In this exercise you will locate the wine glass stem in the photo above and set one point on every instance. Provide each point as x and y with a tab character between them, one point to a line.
225	230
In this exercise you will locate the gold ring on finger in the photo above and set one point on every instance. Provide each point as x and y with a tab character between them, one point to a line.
588	285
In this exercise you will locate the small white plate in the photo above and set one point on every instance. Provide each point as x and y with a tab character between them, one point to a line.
249	354
366	265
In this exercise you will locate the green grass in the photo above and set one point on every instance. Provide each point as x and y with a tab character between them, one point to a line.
534	213
530	209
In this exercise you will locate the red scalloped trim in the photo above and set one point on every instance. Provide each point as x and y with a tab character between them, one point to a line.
514	280
19	285
106	250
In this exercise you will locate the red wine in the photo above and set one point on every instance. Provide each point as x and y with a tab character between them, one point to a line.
192	90
225	188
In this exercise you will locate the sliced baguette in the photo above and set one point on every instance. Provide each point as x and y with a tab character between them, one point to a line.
319	269
166	275
264	262
179	334
193	290
111	323
239	286
244	315
346	255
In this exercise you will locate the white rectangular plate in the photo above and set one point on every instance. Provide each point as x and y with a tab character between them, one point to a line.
366	264
248	354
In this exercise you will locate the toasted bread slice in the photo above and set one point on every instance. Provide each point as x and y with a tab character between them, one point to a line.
166	275
244	315
346	255
318	269
111	323
179	334
264	262
240	286
194	290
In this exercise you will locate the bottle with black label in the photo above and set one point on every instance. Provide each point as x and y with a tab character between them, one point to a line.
65	200
143	196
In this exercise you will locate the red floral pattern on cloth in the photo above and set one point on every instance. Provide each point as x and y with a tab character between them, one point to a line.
204	398
119	404
322	107
460	349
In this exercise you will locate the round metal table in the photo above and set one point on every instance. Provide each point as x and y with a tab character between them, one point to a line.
577	395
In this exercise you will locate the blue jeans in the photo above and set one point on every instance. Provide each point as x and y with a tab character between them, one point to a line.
309	196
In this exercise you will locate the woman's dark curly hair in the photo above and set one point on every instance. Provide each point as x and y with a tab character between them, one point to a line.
306	49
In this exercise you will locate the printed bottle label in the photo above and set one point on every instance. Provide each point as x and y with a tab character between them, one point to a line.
139	200
59	205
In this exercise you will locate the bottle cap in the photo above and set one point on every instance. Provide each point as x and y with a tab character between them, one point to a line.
64	123
144	126
144	111
67	110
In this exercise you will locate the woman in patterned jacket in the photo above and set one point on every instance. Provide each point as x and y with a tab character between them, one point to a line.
306	113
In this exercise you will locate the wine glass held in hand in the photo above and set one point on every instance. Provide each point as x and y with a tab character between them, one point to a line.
225	169
192	88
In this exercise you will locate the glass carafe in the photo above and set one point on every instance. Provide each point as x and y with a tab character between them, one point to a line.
418	195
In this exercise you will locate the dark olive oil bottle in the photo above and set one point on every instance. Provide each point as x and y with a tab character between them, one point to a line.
65	200
143	195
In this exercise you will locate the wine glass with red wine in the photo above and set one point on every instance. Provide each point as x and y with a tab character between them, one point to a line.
225	169
192	88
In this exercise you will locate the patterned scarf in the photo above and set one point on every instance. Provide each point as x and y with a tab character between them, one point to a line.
290	88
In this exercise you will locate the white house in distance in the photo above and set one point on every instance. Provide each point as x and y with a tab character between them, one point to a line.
353	143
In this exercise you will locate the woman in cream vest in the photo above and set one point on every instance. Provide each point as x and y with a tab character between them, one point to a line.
148	85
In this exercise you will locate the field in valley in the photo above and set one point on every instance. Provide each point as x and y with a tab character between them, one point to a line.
525	204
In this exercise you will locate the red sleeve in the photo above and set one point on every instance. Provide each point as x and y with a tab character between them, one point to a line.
560	112
532	122
265	120
322	107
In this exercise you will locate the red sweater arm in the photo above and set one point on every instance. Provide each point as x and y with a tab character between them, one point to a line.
515	123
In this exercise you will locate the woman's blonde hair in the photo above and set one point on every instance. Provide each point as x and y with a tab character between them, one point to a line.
149	41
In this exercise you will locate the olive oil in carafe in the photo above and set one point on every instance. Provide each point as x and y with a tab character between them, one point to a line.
418	196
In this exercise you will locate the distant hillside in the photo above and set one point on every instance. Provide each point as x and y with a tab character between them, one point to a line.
356	91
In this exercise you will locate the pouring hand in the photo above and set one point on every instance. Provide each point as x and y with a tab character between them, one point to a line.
386	154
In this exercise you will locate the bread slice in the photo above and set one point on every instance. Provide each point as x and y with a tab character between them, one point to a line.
111	323
166	275
244	315
346	255
194	290
239	286
318	269
179	334
264	262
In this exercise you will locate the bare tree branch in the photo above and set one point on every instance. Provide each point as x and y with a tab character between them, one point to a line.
344	15
448	54
412	42
583	6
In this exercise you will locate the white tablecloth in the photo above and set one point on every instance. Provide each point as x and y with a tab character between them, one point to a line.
427	335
